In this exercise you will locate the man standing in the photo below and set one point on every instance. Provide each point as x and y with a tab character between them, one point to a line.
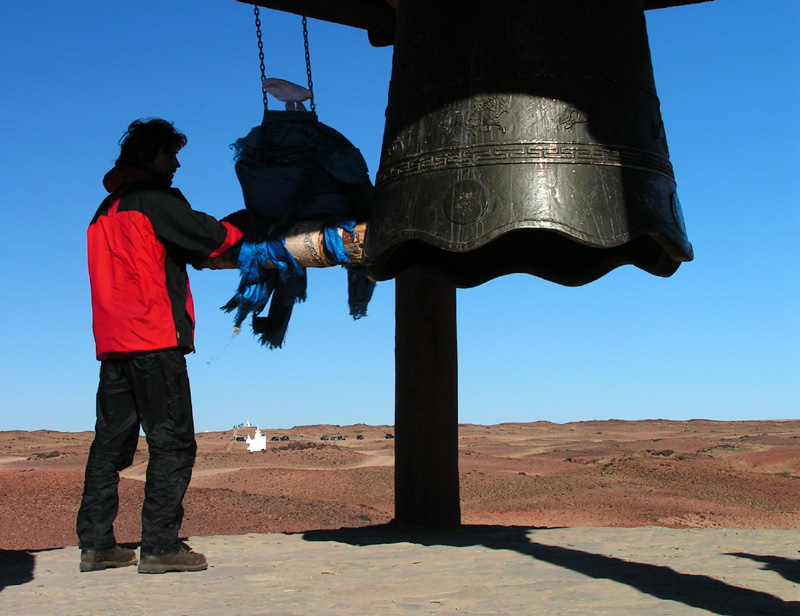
139	243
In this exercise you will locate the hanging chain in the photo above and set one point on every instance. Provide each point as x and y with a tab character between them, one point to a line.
308	65
261	59
261	54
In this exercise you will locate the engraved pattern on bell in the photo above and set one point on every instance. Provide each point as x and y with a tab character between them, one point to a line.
465	202
524	137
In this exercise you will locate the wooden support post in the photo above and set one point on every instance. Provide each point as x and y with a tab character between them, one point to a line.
426	402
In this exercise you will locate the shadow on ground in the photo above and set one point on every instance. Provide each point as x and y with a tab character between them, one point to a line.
699	591
16	567
787	568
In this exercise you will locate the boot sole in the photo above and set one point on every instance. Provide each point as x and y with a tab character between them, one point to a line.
157	568
101	566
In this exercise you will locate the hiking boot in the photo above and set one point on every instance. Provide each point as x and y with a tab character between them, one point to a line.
182	560
97	560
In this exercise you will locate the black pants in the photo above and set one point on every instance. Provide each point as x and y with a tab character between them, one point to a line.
151	391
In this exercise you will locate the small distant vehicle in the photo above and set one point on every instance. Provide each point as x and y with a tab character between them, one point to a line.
241	439
284	438
274	438
389	436
360	437
323	438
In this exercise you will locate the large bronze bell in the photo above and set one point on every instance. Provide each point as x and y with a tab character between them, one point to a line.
524	136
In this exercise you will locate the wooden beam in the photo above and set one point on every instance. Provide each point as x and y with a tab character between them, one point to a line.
377	16
306	243
665	4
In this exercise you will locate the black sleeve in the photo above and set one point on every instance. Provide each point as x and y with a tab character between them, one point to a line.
175	223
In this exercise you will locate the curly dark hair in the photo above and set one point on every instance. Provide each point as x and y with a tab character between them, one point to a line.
144	138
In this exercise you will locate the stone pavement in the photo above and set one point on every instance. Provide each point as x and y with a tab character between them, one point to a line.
379	571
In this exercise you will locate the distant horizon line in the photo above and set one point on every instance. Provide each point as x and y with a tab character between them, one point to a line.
464	424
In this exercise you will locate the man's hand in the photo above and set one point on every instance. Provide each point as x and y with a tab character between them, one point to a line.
240	220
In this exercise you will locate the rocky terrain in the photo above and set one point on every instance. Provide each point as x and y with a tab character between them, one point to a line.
675	474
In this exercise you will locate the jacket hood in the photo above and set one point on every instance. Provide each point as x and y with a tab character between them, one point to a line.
121	176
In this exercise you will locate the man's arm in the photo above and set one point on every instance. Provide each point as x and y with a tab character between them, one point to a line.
176	223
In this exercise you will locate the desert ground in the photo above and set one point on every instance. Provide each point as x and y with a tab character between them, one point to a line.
672	474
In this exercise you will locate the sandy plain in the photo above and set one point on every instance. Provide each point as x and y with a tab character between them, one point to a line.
670	474
606	518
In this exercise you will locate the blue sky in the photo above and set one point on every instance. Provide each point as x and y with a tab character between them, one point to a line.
719	339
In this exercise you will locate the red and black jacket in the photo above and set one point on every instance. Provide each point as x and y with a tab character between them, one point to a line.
139	243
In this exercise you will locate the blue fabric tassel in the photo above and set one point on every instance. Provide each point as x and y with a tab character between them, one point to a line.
334	245
359	286
285	285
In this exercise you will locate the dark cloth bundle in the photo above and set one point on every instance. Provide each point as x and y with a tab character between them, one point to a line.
294	167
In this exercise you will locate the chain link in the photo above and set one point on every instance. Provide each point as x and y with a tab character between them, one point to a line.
261	59
261	55
308	65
